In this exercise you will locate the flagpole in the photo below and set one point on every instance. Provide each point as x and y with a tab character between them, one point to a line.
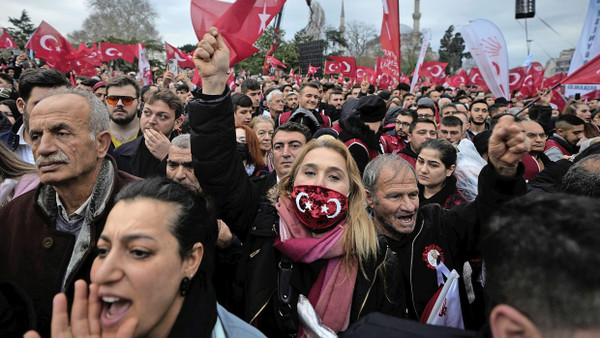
399	45
538	98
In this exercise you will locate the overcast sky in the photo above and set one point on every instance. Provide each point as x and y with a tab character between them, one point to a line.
174	23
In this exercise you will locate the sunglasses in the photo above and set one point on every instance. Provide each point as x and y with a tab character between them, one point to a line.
114	99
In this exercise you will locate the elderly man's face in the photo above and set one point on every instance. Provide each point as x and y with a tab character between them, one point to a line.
395	202
180	168
64	152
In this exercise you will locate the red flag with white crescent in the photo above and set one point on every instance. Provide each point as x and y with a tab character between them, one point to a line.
48	43
434	70
184	59
347	65
332	67
240	23
459	79
312	70
6	41
367	72
340	79
231	79
516	77
532	82
273	61
113	51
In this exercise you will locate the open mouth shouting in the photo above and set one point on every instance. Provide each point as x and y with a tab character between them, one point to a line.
114	310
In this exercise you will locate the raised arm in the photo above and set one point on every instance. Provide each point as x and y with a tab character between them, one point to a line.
217	166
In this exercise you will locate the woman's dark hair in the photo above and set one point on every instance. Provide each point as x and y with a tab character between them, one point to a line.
195	220
12	105
444	148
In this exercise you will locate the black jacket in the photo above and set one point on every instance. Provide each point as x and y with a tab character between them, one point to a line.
221	174
452	233
129	159
354	127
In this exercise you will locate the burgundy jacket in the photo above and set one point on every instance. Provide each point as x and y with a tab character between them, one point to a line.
34	255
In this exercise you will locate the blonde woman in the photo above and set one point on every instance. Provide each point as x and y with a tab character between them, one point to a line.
315	238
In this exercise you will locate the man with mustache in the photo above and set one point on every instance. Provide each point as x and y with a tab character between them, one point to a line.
34	85
123	102
48	234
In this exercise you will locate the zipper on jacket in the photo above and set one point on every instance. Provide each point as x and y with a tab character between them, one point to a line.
261	309
372	283
412	253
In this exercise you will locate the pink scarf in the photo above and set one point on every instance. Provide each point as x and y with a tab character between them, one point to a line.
333	290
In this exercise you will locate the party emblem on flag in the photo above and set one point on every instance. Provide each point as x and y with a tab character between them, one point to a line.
433	255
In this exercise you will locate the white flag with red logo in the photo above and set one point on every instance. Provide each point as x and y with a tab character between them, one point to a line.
444	307
144	66
6	41
424	46
589	45
183	59
488	48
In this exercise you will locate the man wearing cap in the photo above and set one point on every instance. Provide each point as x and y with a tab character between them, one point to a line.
291	101
360	131
99	91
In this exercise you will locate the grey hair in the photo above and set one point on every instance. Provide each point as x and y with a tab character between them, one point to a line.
273	92
182	141
583	178
374	168
99	120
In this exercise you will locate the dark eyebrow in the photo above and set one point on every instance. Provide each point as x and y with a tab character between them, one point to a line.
185	164
129	238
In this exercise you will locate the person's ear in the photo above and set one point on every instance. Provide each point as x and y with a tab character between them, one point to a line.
369	197
103	140
21	105
506	321
560	132
178	122
193	259
450	170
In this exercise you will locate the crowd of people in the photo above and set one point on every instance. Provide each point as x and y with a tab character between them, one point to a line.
277	209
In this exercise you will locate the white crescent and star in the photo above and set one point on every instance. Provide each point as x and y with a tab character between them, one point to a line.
9	42
516	76
44	39
347	67
264	17
110	51
338	206
178	57
331	67
438	73
300	195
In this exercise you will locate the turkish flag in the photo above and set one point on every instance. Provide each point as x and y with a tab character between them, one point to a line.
589	73
113	51
533	80
6	41
476	79
434	70
341	79
273	61
312	70
231	79
183	59
404	79
332	67
240	23
89	55
549	82
390	36
459	79
367	72
385	81
383	67
298	80
347	65
48	43
516	77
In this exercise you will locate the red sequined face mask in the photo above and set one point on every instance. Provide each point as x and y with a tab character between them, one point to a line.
317	207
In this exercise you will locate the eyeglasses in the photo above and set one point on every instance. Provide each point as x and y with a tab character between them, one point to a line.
404	124
114	99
